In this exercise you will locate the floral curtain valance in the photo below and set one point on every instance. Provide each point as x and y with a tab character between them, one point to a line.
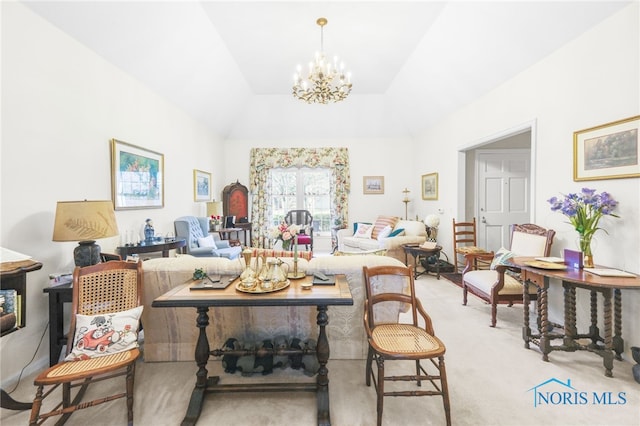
264	159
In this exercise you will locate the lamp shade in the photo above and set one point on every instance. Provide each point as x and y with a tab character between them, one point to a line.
214	208
84	220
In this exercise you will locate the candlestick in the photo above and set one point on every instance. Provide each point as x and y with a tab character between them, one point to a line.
295	248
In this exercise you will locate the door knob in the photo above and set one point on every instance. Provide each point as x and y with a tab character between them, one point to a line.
483	220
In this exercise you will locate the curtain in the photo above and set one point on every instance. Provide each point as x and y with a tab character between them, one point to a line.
264	159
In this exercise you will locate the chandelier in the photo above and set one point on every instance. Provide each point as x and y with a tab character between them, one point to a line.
326	82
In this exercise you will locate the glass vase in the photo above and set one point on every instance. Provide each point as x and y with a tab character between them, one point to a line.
585	243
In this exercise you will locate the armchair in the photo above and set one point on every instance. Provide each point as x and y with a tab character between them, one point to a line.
494	285
194	229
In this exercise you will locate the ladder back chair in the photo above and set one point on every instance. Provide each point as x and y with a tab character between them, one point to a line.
102	340
304	219
497	286
464	241
409	338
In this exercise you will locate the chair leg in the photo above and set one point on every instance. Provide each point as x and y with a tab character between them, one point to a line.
380	388
131	369
464	294
494	313
368	371
418	372
35	408
445	390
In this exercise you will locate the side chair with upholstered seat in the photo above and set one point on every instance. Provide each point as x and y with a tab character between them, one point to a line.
103	341
304	219
407	337
496	286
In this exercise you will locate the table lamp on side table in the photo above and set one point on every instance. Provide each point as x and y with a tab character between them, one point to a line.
85	221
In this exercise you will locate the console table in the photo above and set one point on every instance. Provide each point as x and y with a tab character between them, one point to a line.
573	279
13	275
294	295
151	247
58	296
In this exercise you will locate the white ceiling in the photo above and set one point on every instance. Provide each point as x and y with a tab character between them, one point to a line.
428	58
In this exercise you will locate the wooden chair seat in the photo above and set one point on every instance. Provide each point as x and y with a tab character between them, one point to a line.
74	370
406	340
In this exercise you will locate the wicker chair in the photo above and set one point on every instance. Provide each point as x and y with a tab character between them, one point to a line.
401	340
100	289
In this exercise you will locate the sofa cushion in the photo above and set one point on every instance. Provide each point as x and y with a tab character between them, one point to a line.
386	231
207	241
363	230
381	223
396	232
412	227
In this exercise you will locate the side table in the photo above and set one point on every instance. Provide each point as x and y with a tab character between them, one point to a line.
58	296
417	251
150	247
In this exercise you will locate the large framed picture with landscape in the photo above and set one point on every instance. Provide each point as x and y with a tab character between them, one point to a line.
201	185
430	186
608	151
137	177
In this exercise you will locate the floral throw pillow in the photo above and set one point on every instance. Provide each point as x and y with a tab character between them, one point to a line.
501	257
363	230
106	334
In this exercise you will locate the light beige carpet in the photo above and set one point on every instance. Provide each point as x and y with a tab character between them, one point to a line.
490	377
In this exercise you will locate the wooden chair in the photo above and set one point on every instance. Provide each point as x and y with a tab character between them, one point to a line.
464	241
100	289
496	286
401	339
305	220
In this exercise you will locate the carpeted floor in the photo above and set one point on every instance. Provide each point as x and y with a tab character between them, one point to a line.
492	380
455	278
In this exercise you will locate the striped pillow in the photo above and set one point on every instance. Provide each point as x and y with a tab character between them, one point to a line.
381	222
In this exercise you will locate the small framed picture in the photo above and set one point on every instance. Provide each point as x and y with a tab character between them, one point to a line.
608	151
373	184
201	185
430	186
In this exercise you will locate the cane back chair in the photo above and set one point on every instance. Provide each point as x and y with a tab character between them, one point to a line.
98	290
404	339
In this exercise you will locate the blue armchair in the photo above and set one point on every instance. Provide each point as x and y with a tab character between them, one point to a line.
192	228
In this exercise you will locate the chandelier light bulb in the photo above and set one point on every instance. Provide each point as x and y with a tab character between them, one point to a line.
325	82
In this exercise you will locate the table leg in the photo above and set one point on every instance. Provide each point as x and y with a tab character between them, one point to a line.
165	253
618	342
545	344
322	352
570	328
201	356
56	330
607	355
594	332
526	329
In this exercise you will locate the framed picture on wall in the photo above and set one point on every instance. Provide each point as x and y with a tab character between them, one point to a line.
201	185
608	151
430	186
373	184
137	177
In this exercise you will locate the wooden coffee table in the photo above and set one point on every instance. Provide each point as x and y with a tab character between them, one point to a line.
417	251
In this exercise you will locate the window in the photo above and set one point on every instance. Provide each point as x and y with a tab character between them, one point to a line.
300	189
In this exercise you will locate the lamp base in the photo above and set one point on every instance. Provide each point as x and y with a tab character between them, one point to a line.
87	253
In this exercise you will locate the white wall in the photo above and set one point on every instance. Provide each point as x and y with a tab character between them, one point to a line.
593	80
61	104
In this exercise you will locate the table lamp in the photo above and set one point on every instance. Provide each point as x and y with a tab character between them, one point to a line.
85	221
214	208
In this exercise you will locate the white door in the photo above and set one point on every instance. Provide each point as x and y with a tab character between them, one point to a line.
503	194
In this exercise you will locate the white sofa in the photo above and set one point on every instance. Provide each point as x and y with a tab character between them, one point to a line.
170	334
414	232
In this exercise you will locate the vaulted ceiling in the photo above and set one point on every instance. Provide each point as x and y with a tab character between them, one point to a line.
231	63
